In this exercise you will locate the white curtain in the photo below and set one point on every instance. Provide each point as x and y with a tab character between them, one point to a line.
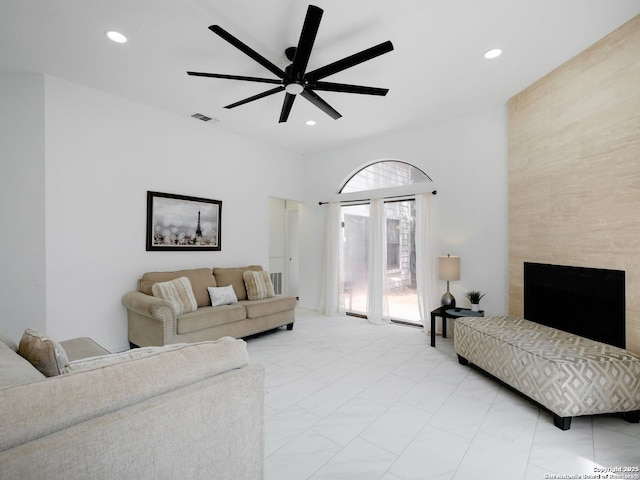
377	305
425	258
331	265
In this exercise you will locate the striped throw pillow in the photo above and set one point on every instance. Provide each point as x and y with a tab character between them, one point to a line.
258	285
178	292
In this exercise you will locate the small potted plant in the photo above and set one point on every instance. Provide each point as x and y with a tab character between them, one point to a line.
474	297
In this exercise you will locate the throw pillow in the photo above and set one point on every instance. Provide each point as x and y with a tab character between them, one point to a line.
110	359
258	285
178	292
200	279
45	354
222	295
230	353
233	276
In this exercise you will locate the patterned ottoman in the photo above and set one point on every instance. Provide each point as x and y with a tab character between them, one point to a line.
567	374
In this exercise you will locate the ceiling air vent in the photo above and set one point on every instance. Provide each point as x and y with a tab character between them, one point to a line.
199	116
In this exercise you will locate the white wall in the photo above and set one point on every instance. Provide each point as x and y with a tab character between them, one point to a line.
467	159
102	155
77	163
22	241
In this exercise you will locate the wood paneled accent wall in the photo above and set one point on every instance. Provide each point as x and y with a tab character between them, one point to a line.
574	169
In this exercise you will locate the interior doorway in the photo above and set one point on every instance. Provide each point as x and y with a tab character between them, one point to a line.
283	246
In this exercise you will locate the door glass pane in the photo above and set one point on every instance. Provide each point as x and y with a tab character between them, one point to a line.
401	261
354	267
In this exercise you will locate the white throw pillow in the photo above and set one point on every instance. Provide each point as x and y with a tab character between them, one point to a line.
178	292
222	295
133	354
110	359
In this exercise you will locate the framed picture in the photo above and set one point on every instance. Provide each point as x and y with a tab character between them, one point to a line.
178	222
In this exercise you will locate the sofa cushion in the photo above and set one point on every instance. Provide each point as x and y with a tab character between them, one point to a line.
82	347
258	285
200	279
15	370
234	277
261	308
178	292
206	317
45	354
222	295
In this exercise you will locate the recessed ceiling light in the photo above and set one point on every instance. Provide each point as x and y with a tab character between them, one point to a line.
310	122
116	37
493	53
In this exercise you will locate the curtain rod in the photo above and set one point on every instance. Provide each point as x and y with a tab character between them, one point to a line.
367	200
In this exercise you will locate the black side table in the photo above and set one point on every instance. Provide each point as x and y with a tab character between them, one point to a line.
447	312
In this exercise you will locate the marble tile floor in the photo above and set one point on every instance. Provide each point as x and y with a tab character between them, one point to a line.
346	399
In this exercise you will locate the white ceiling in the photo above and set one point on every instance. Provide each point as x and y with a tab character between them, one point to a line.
436	70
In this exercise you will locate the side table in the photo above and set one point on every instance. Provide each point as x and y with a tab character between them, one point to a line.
447	312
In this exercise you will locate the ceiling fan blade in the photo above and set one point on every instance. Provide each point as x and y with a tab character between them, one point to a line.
350	61
256	97
321	104
345	88
286	107
235	77
307	39
221	32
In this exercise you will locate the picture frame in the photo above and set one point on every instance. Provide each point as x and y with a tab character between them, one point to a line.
183	223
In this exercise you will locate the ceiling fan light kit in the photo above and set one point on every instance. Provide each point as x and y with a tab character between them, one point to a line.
294	79
294	88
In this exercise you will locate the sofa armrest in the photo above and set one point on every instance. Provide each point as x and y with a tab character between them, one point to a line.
149	306
149	315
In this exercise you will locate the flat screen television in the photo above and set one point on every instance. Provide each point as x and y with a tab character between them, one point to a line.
589	302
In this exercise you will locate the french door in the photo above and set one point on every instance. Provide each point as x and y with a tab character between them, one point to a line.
400	269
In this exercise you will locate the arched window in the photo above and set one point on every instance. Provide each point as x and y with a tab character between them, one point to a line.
384	174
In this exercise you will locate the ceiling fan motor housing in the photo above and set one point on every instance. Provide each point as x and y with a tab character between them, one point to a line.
290	53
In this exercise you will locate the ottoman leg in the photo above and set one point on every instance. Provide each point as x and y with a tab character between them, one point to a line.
632	417
290	326
462	360
563	423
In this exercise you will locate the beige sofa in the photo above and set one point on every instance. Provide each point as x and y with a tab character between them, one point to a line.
183	411
154	321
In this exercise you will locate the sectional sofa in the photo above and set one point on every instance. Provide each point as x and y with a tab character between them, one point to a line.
182	411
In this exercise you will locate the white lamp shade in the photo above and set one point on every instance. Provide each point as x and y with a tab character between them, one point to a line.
449	267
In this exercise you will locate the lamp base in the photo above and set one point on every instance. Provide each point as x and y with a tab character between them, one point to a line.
448	300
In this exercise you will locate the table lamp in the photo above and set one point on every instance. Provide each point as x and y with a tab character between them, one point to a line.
448	269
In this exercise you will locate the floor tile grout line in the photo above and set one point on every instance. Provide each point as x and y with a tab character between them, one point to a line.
529	462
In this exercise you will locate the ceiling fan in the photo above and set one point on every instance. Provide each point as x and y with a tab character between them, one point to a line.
294	79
